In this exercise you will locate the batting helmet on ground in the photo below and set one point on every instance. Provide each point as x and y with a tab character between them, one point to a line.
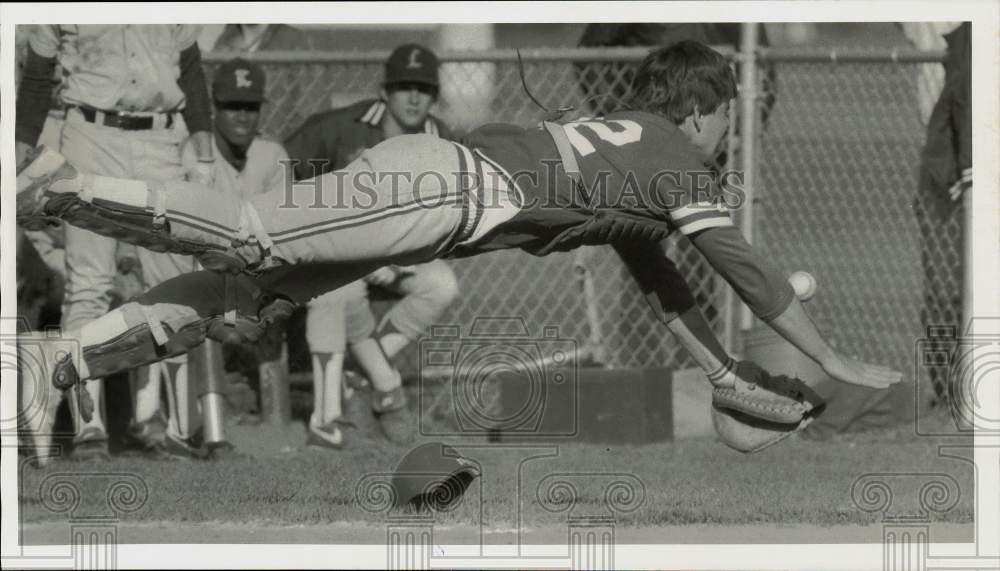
432	476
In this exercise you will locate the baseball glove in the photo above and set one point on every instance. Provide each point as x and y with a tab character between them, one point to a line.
775	398
749	434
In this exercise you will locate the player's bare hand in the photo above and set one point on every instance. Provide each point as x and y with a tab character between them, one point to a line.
382	276
856	372
961	186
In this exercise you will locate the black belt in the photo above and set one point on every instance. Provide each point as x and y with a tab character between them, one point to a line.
123	121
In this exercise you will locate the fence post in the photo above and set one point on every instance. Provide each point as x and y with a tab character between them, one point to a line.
968	255
748	139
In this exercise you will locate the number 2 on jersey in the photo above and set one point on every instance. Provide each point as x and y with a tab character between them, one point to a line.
630	133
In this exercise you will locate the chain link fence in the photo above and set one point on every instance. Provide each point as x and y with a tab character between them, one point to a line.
836	195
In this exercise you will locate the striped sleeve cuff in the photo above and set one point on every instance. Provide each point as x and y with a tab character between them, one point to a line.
699	216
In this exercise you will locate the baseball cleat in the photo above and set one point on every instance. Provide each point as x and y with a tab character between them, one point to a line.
39	400
43	173
398	424
177	448
91	445
223	450
328	436
147	436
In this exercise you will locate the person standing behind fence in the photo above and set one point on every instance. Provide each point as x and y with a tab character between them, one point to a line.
329	141
124	87
252	163
945	176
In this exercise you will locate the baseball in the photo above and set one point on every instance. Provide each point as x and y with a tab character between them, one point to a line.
804	285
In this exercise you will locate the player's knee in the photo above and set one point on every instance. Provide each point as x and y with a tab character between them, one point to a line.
440	287
158	315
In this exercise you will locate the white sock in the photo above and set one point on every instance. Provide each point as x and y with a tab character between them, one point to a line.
147	392
327	382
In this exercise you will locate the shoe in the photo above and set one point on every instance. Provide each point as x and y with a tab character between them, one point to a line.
39	398
148	434
223	450
36	177
183	448
328	436
357	411
91	445
393	415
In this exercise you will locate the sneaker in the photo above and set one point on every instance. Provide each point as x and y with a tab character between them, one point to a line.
328	436
393	414
183	448
90	446
223	450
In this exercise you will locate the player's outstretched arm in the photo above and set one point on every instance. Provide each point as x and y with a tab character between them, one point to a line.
794	325
766	291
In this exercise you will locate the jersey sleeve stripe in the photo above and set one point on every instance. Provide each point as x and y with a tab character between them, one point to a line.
699	225
696	208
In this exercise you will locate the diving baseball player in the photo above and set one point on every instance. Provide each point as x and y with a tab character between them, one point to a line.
628	180
329	141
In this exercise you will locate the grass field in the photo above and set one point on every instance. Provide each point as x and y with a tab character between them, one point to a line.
689	483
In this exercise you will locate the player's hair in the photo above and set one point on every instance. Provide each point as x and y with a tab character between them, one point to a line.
673	80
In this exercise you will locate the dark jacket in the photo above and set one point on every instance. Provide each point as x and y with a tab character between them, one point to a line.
948	151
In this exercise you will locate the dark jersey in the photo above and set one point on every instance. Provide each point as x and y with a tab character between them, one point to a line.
330	140
641	179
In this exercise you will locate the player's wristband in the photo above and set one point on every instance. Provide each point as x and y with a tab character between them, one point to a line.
720	373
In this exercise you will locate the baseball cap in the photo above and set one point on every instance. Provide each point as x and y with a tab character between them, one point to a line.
239	80
412	63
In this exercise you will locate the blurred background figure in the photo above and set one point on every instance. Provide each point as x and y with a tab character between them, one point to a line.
329	141
247	163
249	38
125	89
945	177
